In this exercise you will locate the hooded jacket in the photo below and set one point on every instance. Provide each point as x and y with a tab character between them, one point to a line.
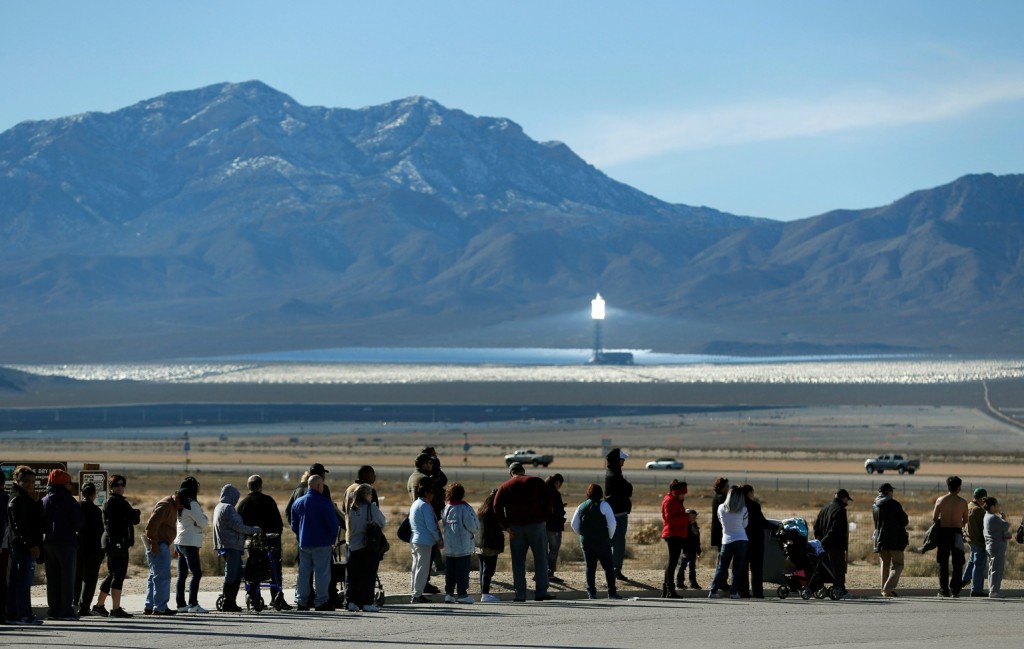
831	528
890	524
228	528
90	537
460	529
675	521
63	516
191	523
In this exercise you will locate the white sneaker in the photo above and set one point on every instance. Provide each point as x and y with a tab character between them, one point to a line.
352	607
196	609
449	599
183	609
465	599
490	599
371	608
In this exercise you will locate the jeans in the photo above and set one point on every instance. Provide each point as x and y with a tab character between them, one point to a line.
592	555
315	562
535	538
456	575
420	567
232	566
554	545
61	562
158	586
19	584
361	576
619	540
736	554
976	568
87	574
688	563
950	543
488	566
188	562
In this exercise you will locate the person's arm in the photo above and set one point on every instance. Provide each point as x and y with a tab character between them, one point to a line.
198	517
575	523
609	517
499	508
936	513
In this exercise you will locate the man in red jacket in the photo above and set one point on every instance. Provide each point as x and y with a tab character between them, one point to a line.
522	506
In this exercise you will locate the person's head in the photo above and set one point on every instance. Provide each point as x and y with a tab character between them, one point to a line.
953	484
59	478
747	491
366	474
843	496
734	501
615	458
555	481
979	494
315	483
515	469
885	489
191	484
990	504
25	478
182	499
488	504
117	484
364	494
455	492
693	515
424	489
254	483
594	492
318	469
678	488
89	492
429	450
424	463
721	485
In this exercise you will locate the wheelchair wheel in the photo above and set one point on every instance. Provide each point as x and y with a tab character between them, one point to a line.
782	592
805	593
220	602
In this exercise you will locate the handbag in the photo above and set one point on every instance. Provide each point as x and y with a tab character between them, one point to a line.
375	540
1019	536
404	532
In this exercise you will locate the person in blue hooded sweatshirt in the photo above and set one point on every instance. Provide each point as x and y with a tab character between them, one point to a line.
229	540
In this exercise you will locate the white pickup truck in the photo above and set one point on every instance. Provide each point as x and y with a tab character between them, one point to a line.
891	462
525	456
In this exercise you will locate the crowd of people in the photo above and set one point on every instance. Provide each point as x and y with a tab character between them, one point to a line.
525	515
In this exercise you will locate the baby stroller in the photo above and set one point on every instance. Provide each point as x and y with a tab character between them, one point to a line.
260	570
811	573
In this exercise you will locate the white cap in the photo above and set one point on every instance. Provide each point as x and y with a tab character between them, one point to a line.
623	455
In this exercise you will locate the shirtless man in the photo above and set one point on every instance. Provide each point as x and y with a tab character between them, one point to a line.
951	514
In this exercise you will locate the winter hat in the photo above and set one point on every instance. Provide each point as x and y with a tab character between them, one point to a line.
59	477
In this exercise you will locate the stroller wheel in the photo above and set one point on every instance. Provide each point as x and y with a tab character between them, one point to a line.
821	593
220	602
834	593
805	593
783	592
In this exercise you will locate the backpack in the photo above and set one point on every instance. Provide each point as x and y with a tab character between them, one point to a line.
1019	536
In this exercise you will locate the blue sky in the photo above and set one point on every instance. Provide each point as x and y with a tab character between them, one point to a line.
774	109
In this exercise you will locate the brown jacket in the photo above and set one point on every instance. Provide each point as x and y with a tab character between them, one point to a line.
950	511
974	531
162	524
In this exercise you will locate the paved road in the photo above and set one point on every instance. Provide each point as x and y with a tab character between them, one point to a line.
910	622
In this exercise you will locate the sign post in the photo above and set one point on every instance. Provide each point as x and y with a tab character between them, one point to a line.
97	477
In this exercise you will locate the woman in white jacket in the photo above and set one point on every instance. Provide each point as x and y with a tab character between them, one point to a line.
191	523
460	529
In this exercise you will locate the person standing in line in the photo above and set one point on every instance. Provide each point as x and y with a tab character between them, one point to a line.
594	522
260	510
119	521
189	527
314	519
522	507
366	475
732	514
675	527
301	490
974	535
159	538
439	482
460	529
4	550
757	524
491	543
25	524
556	524
691	551
422	476
425	535
951	514
363	562
619	493
890	538
997	533
90	552
832	528
60	544
229	531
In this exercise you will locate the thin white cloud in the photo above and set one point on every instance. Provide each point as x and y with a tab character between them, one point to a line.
607	140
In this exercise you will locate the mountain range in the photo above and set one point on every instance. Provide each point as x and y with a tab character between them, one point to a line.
231	219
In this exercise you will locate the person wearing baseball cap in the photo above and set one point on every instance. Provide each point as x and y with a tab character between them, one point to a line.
833	530
890	537
60	544
974	535
618	491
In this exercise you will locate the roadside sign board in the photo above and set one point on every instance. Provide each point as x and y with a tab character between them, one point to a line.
41	468
98	478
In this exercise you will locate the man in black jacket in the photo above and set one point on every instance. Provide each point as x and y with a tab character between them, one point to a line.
90	552
260	510
25	517
832	529
618	492
890	538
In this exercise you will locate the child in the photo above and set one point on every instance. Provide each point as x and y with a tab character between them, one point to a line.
490	544
691	550
997	533
460	528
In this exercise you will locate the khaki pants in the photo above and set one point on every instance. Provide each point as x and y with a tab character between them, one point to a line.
892	568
